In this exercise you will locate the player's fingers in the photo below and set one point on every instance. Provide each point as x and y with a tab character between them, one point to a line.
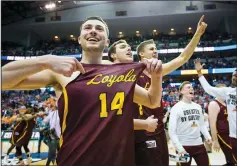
195	61
147	62
148	66
201	20
153	65
158	66
79	66
73	65
152	116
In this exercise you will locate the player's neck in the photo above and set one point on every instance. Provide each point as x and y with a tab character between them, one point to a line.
186	99
92	57
117	61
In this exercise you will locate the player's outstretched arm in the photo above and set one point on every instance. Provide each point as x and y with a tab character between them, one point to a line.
38	72
151	97
188	51
213	91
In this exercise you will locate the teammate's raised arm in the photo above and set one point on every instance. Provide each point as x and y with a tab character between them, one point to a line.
188	51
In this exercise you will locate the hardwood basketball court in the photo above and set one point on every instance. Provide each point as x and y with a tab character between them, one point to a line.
40	159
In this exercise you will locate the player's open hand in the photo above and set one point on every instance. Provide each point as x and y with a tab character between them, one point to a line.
201	27
62	65
198	64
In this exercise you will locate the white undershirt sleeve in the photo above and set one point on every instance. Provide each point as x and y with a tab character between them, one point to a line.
213	91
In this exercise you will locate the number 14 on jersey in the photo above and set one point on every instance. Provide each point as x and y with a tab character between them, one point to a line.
116	104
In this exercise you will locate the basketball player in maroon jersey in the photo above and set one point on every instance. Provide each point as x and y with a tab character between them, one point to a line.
218	119
94	107
119	52
123	53
25	135
16	133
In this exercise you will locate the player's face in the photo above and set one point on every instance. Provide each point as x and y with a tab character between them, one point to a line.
234	78
150	51
188	91
123	53
93	37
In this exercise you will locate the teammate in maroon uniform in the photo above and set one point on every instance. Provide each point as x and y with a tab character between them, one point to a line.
106	126
16	133
100	102
219	125
119	52
151	147
24	137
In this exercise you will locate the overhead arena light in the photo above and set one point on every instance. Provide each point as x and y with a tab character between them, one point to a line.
76	2
50	6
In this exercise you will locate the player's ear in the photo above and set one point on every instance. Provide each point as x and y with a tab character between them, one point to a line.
141	54
113	56
107	43
79	39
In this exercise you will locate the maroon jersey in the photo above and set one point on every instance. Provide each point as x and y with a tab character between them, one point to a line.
27	133
96	116
222	123
144	112
17	131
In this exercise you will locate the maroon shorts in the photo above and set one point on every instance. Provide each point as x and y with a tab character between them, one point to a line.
199	154
15	137
233	142
156	156
224	141
24	138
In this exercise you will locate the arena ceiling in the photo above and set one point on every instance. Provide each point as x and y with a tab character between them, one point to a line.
129	26
13	11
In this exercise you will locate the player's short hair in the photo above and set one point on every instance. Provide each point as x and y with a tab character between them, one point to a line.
99	19
141	46
181	87
112	49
